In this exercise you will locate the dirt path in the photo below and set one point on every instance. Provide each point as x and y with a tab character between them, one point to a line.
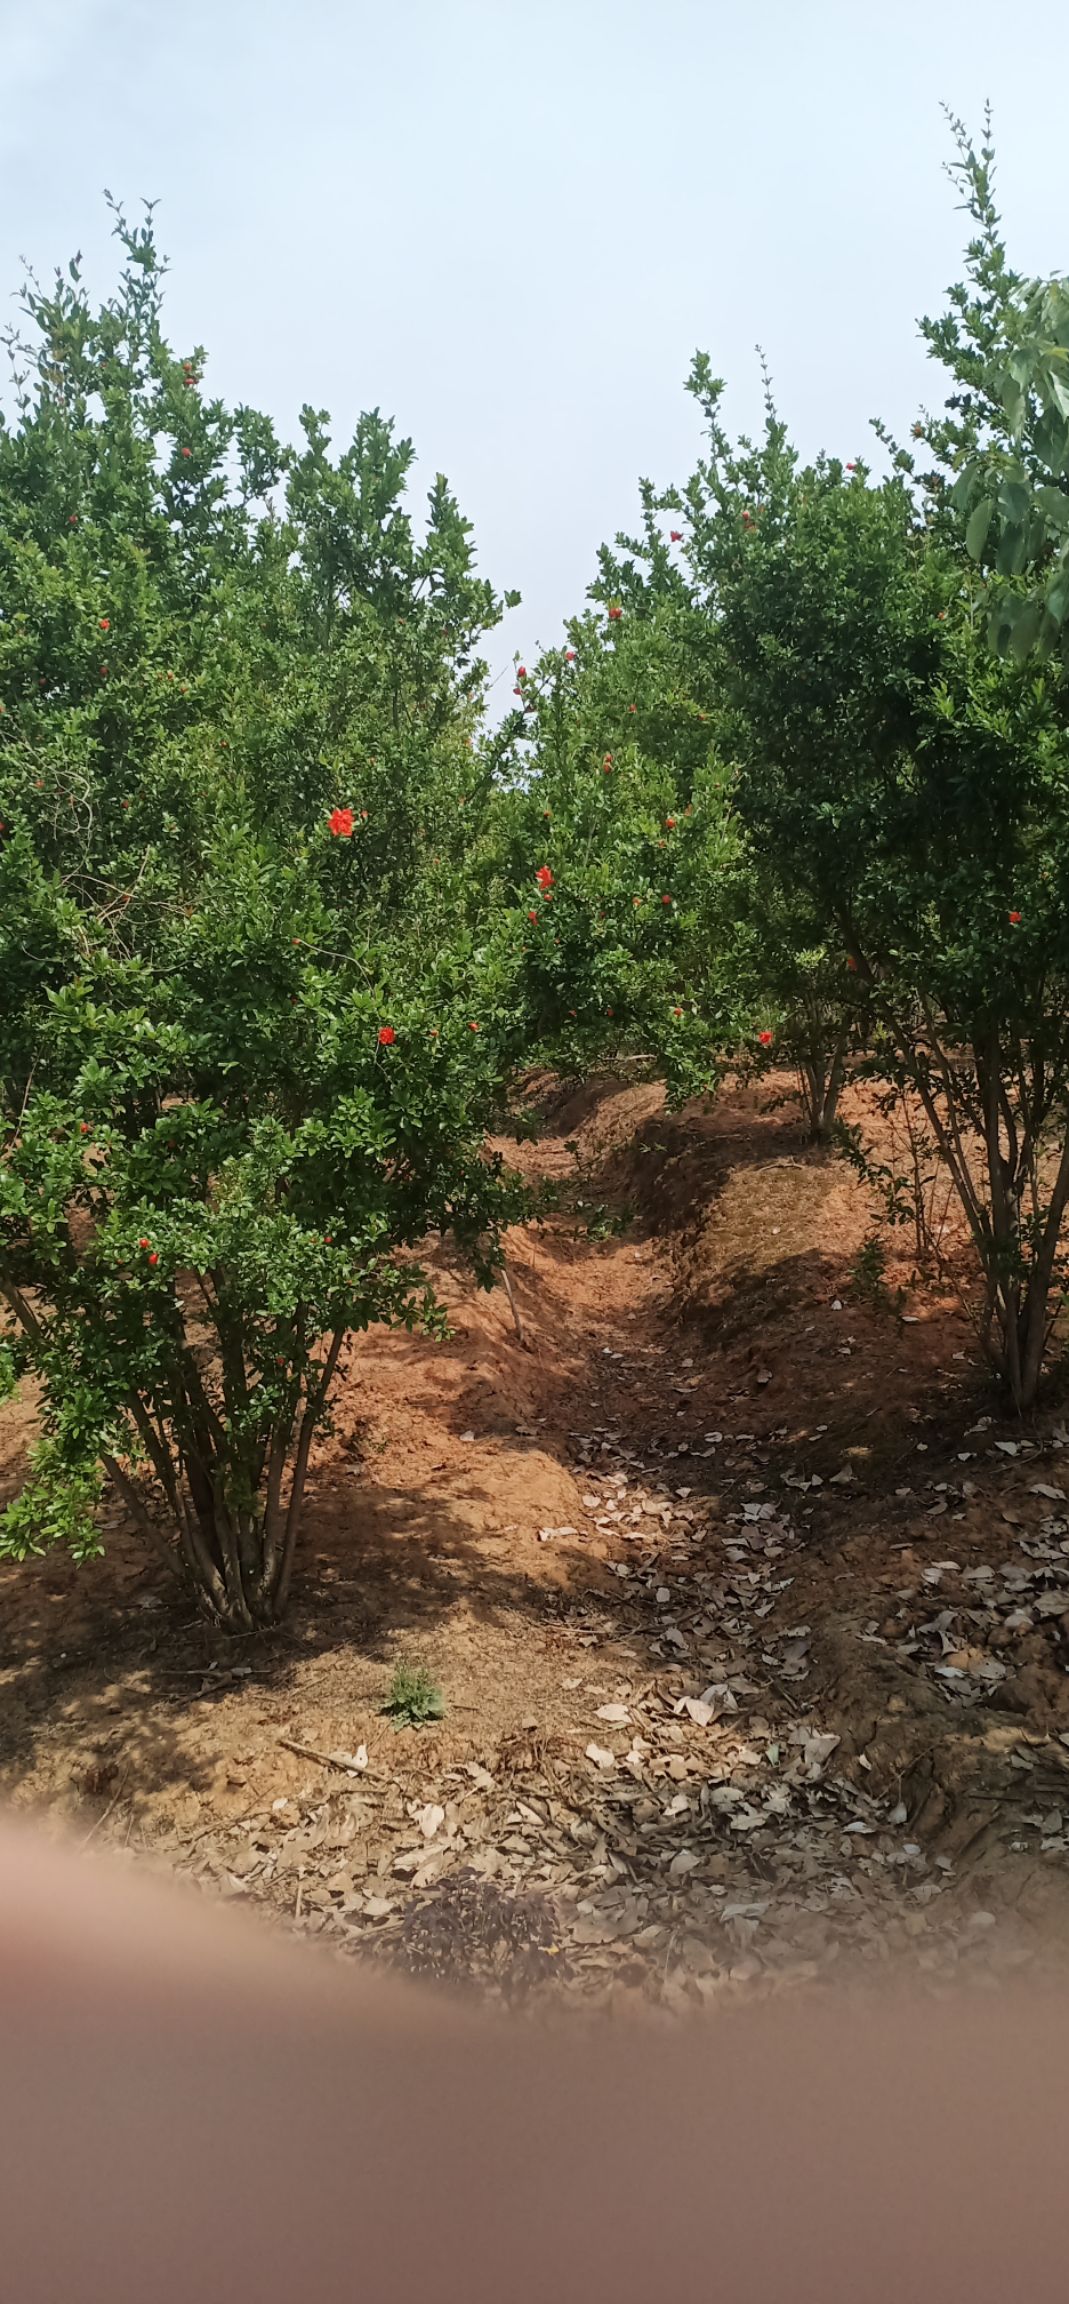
747	1617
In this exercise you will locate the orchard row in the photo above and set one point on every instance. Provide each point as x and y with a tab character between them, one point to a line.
283	917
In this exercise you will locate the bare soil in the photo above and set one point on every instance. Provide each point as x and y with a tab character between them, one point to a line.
748	1606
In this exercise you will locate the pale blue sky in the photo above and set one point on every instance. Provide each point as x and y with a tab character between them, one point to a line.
510	225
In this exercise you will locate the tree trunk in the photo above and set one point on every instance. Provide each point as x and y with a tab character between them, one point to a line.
235	1532
1030	1310
821	1074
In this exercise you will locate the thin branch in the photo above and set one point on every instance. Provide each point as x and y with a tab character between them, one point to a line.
309	1420
23	1312
153	1536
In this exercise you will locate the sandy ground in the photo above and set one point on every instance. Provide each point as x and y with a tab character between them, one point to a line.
747	1604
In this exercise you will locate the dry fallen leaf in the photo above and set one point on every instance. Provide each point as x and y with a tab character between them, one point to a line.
718	1699
701	1714
355	1761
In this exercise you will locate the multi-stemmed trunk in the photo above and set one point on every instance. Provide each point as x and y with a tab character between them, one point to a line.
233	1496
821	1061
1017	1312
991	1137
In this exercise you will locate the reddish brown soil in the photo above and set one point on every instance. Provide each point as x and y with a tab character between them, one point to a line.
694	1279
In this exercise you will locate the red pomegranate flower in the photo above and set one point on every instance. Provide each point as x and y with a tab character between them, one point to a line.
104	624
387	1035
473	1027
676	536
1015	919
666	899
615	615
153	1259
544	876
677	1011
670	823
851	467
144	1243
569	655
340	823
765	1039
187	451
532	915
521	671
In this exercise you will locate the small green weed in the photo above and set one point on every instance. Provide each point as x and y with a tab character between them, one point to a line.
604	1223
414	1698
868	1278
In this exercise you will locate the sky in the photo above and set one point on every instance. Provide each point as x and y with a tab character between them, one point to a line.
510	225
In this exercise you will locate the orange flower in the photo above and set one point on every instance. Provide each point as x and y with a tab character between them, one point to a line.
340	823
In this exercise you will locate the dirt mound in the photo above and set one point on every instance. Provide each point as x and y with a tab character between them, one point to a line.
745	1609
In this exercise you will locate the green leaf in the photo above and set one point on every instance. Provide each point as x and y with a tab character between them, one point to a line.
979	522
1057	602
1012	551
1014	501
1054	502
1025	630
